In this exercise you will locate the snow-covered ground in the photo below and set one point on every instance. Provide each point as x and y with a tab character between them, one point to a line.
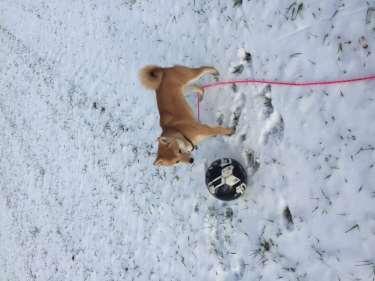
79	196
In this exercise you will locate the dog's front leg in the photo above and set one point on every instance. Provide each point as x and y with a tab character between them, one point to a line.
205	132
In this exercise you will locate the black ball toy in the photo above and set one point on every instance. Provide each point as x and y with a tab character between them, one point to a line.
226	179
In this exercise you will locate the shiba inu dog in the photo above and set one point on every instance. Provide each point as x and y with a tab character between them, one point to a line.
181	131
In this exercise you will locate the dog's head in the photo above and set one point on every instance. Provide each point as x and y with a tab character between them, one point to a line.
170	153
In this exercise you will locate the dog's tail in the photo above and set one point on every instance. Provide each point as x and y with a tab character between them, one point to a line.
151	76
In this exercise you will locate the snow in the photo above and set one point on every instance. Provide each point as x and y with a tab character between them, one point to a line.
80	198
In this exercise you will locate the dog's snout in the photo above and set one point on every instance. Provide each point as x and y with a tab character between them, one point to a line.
191	160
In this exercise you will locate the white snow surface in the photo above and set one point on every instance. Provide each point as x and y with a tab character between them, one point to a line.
80	198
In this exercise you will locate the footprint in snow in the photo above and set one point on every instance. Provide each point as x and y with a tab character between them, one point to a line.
267	102
288	219
370	18
251	160
238	107
273	131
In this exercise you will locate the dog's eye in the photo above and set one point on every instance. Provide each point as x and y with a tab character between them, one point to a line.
178	161
179	151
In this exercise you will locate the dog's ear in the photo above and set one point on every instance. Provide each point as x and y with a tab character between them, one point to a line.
164	140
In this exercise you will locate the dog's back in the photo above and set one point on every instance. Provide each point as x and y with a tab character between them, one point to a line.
168	84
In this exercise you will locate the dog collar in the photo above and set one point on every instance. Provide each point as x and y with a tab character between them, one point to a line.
194	147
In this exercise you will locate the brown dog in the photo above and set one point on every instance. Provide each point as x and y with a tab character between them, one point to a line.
181	130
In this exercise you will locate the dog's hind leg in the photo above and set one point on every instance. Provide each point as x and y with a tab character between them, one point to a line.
189	75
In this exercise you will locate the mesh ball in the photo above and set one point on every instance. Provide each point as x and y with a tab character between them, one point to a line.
226	179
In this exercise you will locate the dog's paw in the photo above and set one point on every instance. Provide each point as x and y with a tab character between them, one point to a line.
213	71
200	97
224	131
230	131
199	91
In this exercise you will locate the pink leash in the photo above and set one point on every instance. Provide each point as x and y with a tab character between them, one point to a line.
283	83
